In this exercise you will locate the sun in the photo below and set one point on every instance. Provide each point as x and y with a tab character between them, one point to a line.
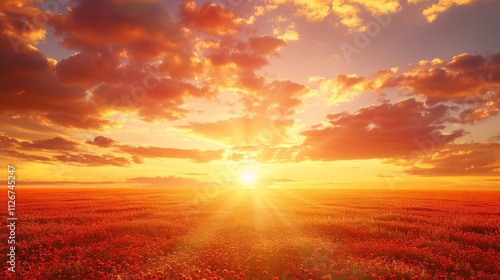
248	177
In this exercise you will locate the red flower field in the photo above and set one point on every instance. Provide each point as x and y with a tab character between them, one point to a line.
256	234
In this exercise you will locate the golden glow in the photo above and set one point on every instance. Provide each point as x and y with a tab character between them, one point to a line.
248	177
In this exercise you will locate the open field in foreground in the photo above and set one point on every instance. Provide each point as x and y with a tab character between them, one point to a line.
256	234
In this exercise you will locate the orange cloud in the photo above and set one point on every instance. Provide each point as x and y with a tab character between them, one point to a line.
344	88
143	29
282	96
150	64
140	152
18	23
211	19
288	33
460	160
101	141
87	69
431	13
265	45
199	156
470	81
30	85
72	155
23	156
351	13
383	131
348	12
84	159
156	99
56	144
52	144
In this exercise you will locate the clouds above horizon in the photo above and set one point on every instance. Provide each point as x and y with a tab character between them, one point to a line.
383	131
474	159
351	13
137	61
60	150
470	82
239	81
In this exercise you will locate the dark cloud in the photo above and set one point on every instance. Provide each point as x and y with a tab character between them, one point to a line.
101	141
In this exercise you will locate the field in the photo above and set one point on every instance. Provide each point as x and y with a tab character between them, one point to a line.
255	234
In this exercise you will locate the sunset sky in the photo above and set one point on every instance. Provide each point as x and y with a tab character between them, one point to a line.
269	93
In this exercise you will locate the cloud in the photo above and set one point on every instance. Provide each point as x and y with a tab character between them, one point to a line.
212	19
101	141
8	142
268	109
150	64
348	12
166	182
314	11
30	85
74	156
466	61
51	144
16	26
199	156
281	97
431	13
141	29
241	60
287	34
353	13
129	57
495	138
460	160
56	143
85	159
160	99
88	68
66	183
463	77
471	82
383	131
132	57
265	45
140	152
344	88
20	155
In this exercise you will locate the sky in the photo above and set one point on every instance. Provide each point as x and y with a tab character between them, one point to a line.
380	94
